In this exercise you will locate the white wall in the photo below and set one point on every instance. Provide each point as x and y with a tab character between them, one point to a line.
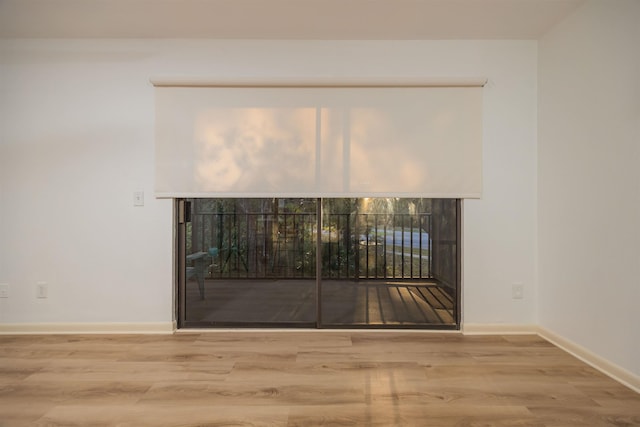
589	180
77	140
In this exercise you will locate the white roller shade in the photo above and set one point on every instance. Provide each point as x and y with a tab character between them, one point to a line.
318	141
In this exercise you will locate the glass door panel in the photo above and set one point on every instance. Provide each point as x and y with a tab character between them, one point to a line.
377	263
250	262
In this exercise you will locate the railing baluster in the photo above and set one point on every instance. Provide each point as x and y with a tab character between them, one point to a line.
402	250
411	246
329	246
420	243
430	263
384	250
393	248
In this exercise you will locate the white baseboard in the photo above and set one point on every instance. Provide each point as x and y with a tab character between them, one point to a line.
498	329
88	328
606	367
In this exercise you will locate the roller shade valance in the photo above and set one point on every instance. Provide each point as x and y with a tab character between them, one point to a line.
249	140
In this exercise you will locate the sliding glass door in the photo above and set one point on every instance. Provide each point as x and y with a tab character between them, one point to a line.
339	262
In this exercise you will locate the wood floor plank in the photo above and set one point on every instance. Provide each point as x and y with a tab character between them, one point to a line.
253	393
24	413
579	416
67	392
300	378
90	370
183	415
398	414
14	369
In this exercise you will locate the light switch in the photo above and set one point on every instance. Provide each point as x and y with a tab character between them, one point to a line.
138	198
42	290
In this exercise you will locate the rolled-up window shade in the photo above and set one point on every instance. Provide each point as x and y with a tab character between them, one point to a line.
318	141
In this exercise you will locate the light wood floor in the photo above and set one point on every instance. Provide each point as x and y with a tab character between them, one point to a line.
303	378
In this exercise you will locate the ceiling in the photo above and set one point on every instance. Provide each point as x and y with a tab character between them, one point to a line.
283	19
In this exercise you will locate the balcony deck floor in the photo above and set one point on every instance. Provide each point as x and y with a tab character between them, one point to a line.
344	303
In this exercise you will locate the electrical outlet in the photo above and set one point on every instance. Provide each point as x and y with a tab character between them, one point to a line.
4	290
517	291
42	290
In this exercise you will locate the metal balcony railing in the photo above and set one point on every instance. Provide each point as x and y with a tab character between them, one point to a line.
353	246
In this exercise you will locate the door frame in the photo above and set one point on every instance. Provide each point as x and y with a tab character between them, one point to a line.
182	215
